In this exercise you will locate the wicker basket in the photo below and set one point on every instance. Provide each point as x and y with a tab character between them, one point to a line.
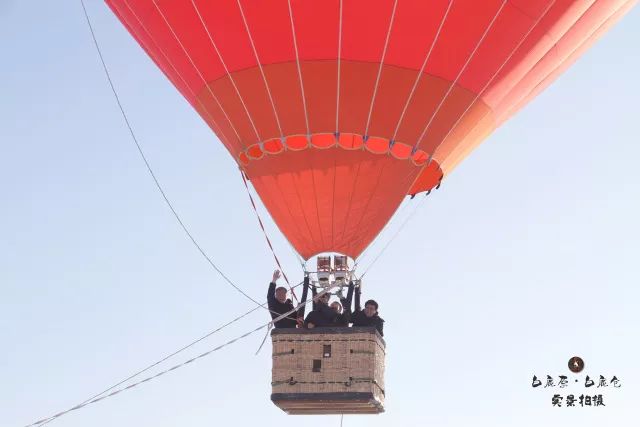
328	370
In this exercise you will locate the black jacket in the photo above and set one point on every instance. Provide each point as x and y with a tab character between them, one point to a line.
343	319
321	316
278	308
360	319
340	319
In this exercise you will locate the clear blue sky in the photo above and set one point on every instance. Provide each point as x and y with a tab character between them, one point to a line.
526	256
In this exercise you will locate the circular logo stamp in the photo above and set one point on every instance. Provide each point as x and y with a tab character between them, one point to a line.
576	364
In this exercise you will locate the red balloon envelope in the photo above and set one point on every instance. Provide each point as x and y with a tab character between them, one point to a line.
337	109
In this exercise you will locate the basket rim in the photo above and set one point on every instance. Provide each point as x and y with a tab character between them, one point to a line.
339	330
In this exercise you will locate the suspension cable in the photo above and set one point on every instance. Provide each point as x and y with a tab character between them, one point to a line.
167	357
384	230
148	166
404	223
173	368
266	236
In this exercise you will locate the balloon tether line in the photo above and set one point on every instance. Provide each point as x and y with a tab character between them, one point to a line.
103	396
266	236
148	166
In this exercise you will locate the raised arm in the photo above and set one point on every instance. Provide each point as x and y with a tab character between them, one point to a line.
314	292
271	292
350	294
358	308
346	303
305	290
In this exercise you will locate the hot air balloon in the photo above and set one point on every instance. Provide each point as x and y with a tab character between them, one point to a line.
335	110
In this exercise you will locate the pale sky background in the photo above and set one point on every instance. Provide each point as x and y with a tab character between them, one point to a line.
526	256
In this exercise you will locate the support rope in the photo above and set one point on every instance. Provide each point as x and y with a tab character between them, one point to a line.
209	119
495	74
159	374
266	236
384	54
420	72
404	223
264	77
193	64
295	48
455	81
224	65
148	166
484	88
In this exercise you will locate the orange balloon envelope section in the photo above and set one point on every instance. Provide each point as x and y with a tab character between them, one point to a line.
337	109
